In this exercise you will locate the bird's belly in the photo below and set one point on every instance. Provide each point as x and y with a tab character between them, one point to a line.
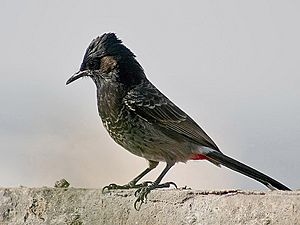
143	139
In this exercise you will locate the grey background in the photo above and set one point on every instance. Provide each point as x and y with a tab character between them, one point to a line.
231	65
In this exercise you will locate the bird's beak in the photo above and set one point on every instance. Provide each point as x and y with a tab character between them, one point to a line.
77	76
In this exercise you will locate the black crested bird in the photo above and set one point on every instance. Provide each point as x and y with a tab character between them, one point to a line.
144	121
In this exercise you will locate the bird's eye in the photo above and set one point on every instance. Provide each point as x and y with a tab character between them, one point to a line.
94	64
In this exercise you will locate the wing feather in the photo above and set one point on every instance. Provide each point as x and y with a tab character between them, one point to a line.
150	104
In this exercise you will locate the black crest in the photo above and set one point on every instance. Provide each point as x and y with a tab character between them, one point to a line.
107	44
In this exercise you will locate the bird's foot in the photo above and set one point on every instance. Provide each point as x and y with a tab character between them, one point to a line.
130	185
143	192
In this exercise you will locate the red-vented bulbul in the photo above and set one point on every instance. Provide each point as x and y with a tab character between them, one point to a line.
144	121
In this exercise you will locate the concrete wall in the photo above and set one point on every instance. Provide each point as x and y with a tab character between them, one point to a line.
75	206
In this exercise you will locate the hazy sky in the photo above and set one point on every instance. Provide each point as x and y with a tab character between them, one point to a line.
233	66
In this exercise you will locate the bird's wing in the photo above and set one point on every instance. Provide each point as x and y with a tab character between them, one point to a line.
150	104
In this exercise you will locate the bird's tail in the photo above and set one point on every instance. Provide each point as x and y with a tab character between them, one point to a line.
246	170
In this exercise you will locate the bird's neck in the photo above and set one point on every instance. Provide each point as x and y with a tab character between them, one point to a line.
132	72
109	100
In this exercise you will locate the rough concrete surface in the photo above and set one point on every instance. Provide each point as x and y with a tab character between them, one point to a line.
76	206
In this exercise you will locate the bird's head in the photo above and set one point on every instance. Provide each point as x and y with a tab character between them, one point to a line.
107	59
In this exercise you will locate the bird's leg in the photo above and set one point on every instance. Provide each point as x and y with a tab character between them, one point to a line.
133	183
142	192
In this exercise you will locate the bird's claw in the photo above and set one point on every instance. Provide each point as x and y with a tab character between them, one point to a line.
141	195
111	187
130	185
167	185
144	184
143	192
